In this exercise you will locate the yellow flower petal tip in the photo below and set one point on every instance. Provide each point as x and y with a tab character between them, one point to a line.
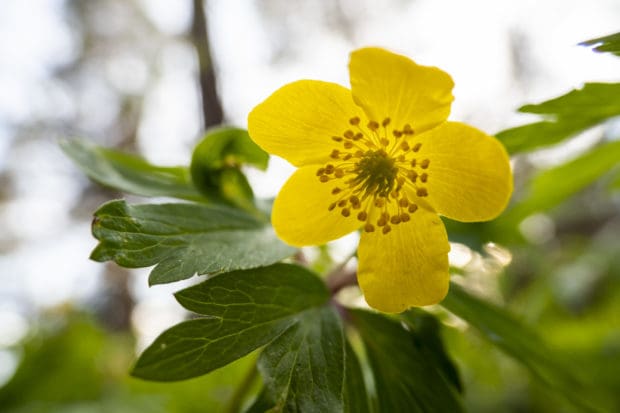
382	157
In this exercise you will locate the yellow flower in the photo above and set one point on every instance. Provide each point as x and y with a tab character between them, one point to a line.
382	158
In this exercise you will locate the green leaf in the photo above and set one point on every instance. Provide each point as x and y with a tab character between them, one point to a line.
355	395
568	115
503	330
303	369
216	163
183	239
605	44
405	379
426	331
553	186
129	173
245	310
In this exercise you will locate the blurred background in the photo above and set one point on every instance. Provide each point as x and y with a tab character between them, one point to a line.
149	76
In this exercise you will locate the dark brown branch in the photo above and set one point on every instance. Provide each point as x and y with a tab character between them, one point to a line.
211	108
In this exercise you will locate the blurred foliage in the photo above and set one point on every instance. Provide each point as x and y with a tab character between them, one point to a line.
605	44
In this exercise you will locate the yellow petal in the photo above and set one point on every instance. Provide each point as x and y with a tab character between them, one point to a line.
469	176
390	85
406	267
300	213
298	120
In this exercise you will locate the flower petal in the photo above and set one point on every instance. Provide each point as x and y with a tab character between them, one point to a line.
469	176
298	120
390	85
300	215
407	266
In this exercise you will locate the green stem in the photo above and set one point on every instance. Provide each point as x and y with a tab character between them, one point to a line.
240	394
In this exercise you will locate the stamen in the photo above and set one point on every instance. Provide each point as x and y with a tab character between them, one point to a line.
369	228
324	178
320	172
354	121
404	217
372	125
424	164
358	136
404	146
348	145
403	202
395	219
385	122
338	173
331	206
348	134
424	177
407	130
386	229
337	138
342	203
421	192
397	133
417	147
412	208
335	154
362	216
345	212
336	191
413	163
329	169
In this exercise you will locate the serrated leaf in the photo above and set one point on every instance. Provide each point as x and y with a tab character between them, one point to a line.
245	310
130	173
605	44
182	240
425	329
568	115
405	379
502	329
553	186
303	369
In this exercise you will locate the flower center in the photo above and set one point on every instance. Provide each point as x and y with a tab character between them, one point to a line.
377	175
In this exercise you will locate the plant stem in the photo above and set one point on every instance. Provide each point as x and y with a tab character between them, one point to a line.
236	400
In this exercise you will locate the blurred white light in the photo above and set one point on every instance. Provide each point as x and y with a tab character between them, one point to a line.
8	365
537	229
460	255
13	328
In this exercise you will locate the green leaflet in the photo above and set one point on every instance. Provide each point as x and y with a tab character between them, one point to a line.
303	369
553	186
504	331
568	115
406	380
130	173
244	310
605	44
182	240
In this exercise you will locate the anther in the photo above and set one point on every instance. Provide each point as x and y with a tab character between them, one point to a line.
329	168
336	191
404	217
320	172
354	121
397	133
348	134
421	192
386	229
354	200
379	202
348	145
403	202
372	125
400	158
417	147
412	208
384	142
404	146
424	164
342	203
337	138
407	130
424	177
412	175
331	206
369	228
382	221
413	163
359	154
395	219
338	173
358	136
335	154
385	122
345	212
401	181
347	157
362	216
324	178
